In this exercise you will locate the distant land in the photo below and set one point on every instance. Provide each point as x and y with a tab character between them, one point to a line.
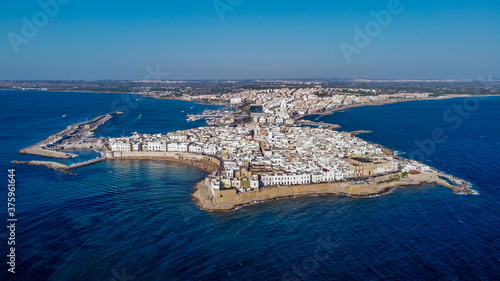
176	89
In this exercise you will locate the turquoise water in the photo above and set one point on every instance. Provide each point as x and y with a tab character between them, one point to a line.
136	220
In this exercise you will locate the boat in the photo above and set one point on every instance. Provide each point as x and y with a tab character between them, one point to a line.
64	116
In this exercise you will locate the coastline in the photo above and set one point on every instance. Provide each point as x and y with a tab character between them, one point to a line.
210	200
229	200
232	200
444	97
205	163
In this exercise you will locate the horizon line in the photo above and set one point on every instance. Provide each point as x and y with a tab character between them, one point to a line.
256	80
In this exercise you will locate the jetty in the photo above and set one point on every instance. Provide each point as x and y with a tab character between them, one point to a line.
59	166
45	147
355	133
303	122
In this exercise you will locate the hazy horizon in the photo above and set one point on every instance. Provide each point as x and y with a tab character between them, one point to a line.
249	40
477	79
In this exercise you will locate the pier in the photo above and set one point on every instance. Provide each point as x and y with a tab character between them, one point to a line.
43	148
59	166
47	147
86	163
317	124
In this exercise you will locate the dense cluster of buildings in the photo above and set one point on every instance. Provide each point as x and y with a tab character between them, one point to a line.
262	155
271	150
283	106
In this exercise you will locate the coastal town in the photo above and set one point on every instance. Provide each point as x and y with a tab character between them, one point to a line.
258	156
286	106
259	147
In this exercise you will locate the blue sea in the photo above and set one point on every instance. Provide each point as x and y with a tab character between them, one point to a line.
136	220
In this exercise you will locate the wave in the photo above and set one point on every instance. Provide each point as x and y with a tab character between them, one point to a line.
399	153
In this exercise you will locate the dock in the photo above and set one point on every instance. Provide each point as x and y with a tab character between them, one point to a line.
43	148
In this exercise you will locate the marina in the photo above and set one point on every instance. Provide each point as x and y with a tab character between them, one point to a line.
76	133
209	115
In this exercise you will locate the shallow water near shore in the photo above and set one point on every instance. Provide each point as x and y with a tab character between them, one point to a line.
136	218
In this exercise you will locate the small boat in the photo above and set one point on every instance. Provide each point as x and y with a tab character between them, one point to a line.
192	107
64	116
182	111
140	116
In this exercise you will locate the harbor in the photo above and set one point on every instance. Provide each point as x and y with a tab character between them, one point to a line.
49	146
77	136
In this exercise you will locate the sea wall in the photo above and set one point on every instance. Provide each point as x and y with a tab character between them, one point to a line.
33	150
387	177
208	163
51	165
229	199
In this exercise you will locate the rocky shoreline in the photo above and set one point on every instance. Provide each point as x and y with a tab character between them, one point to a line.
206	201
230	199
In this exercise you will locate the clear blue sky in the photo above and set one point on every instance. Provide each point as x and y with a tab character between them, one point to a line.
258	39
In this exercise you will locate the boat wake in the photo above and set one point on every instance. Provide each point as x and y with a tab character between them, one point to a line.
46	121
399	153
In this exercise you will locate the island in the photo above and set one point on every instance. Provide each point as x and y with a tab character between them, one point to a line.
259	149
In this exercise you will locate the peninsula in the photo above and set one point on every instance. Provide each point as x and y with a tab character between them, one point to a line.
262	150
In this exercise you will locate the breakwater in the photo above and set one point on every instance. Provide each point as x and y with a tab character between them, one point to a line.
52	165
80	129
59	166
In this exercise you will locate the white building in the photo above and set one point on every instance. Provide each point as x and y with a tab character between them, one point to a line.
157	146
136	146
177	147
235	100
210	150
193	148
316	178
120	146
285	179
